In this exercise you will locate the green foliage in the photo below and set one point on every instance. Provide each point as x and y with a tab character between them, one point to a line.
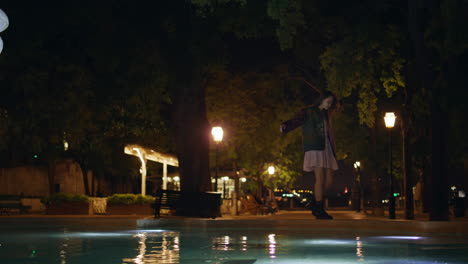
59	198
366	61
250	186
287	14
284	177
204	3
130	199
290	18
250	107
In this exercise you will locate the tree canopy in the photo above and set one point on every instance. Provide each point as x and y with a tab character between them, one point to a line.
102	75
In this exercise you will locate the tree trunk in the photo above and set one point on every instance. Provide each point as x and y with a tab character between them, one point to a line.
84	171
51	176
192	143
236	187
189	112
417	26
407	175
439	183
376	180
93	183
426	194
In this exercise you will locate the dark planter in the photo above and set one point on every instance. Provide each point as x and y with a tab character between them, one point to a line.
199	204
129	209
459	207
68	208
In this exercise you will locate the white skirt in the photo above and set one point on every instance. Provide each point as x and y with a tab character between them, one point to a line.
320	159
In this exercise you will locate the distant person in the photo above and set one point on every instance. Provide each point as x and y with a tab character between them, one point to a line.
319	148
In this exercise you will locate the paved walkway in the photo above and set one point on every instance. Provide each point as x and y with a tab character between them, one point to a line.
343	219
340	214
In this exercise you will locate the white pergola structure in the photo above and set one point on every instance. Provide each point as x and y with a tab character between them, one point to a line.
145	154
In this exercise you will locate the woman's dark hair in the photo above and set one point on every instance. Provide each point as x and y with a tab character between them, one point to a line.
318	101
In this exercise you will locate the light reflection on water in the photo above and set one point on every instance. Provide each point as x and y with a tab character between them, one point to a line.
156	248
222	246
272	246
359	249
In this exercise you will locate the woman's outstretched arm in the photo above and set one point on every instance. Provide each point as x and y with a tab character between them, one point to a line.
293	123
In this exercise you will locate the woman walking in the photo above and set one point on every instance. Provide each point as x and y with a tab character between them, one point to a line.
319	148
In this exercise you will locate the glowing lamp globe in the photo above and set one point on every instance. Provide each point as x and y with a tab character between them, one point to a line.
271	170
217	133
390	119
3	21
357	164
1	45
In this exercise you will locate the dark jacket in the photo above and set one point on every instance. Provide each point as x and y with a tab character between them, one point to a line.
312	121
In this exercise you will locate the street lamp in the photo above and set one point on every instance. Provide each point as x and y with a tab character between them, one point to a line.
177	182
217	133
357	190
225	179
390	123
271	170
357	164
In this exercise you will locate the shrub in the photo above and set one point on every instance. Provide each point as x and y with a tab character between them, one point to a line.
129	198
58	198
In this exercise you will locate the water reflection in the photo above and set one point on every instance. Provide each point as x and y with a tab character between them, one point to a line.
222	243
141	248
160	247
244	243
272	246
68	247
219	245
359	249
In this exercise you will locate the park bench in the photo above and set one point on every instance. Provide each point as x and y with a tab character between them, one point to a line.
196	204
251	205
165	199
9	203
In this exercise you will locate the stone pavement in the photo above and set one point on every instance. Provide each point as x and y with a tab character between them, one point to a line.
348	219
338	214
343	219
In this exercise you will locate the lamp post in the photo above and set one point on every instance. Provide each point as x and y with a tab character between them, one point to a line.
225	179
358	190
217	133
177	182
271	171
390	123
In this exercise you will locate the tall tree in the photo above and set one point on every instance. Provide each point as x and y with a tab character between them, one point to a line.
250	107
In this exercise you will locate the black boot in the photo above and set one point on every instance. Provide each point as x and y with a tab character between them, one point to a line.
312	206
320	212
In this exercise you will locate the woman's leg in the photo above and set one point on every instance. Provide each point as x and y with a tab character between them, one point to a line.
322	180
319	183
328	179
